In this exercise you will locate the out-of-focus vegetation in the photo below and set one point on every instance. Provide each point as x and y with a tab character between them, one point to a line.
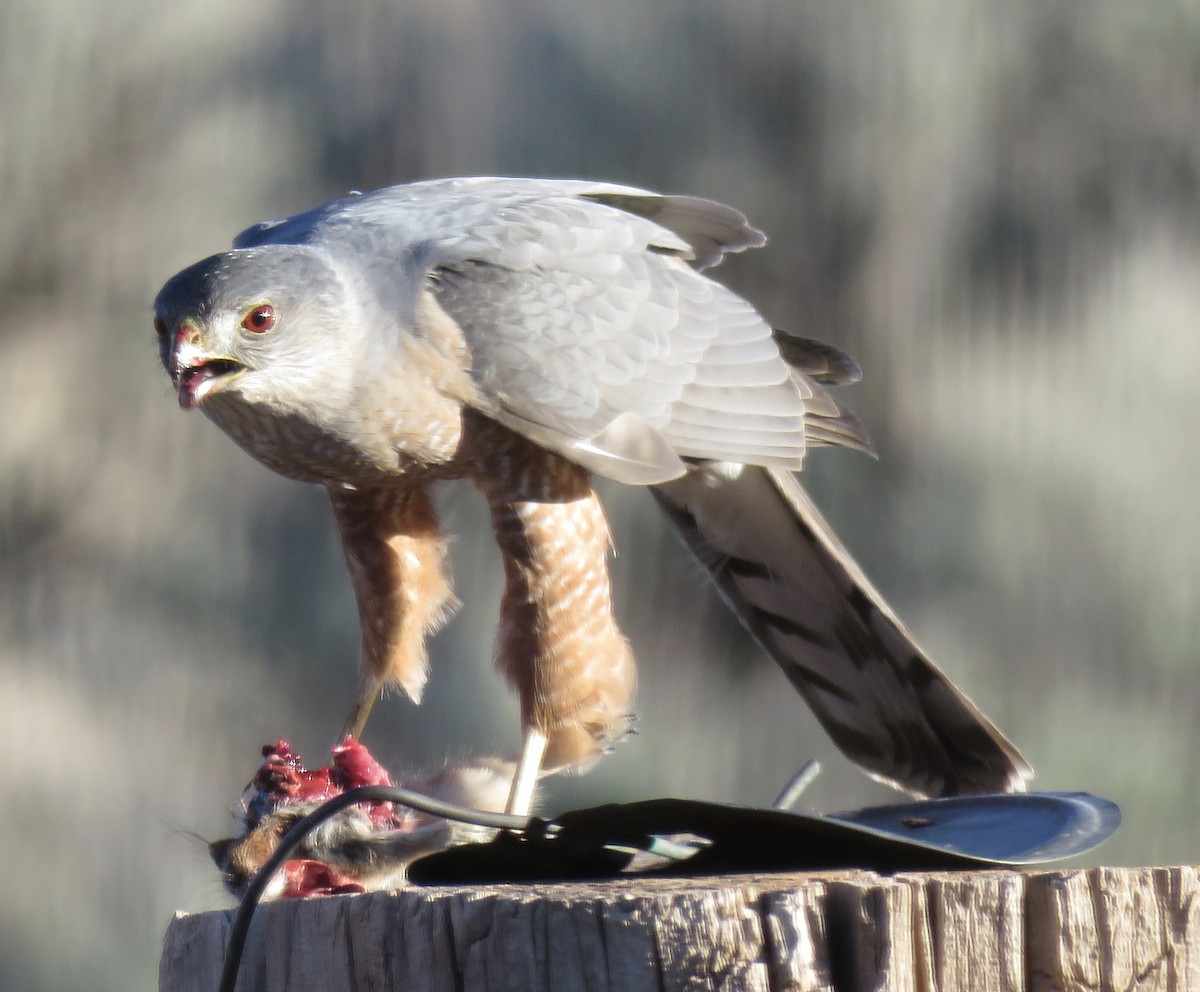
994	205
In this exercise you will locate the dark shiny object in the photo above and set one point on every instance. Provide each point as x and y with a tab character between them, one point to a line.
941	834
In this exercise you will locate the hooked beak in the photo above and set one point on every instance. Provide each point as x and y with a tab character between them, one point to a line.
194	372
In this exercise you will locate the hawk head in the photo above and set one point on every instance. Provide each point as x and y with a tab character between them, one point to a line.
271	326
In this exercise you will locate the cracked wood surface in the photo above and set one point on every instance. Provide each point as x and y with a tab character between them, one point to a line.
1094	929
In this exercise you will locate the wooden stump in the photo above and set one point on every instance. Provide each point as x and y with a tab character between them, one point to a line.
1096	930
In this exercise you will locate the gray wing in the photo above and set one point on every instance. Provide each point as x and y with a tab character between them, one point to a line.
589	326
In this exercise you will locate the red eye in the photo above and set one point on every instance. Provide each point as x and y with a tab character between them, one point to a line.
260	319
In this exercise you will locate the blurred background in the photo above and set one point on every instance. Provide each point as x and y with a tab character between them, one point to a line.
994	205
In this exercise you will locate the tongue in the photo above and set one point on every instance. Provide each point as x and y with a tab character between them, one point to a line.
187	399
191	380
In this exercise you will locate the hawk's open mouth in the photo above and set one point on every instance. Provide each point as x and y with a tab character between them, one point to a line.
196	381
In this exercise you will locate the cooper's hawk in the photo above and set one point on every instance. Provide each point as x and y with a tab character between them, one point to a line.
526	334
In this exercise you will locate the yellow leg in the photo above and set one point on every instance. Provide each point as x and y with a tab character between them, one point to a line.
533	749
356	719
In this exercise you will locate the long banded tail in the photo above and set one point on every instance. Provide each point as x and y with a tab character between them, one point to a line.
886	705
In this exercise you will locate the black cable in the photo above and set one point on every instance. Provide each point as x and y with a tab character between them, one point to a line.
299	830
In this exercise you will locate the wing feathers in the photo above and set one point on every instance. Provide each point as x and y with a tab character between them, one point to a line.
885	704
816	359
712	229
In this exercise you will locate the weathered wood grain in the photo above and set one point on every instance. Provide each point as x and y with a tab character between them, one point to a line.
1115	928
991	931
